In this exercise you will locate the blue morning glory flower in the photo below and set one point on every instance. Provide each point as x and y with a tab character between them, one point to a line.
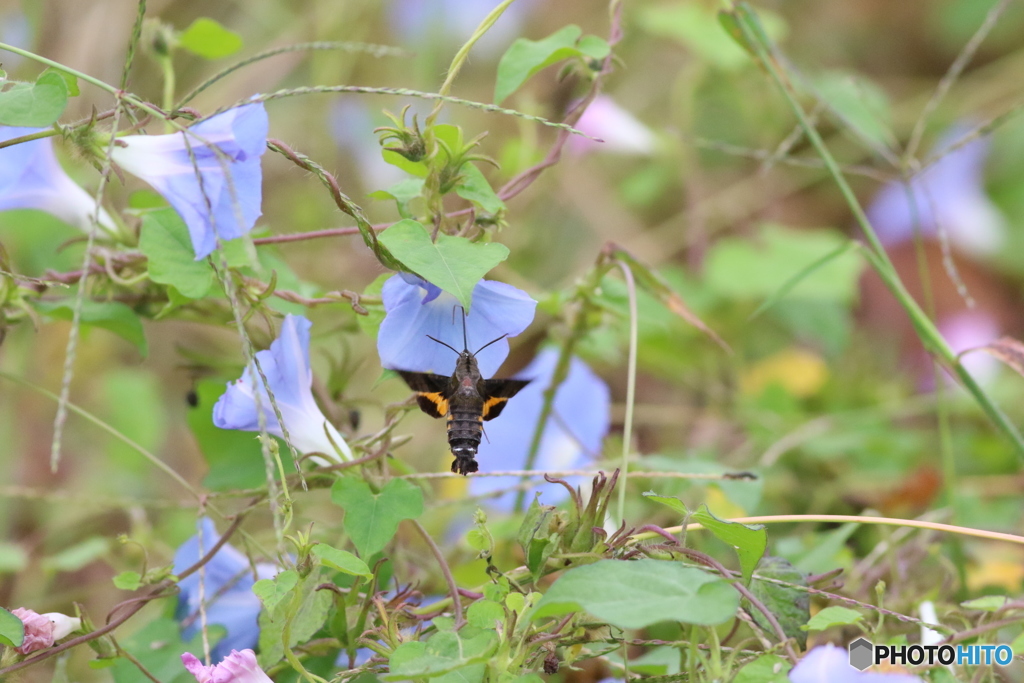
227	202
416	308
580	419
286	367
227	590
949	194
831	664
32	178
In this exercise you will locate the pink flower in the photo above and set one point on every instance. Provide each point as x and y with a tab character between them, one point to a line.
38	631
237	667
621	132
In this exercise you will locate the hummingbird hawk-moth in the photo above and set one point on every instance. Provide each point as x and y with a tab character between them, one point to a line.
466	399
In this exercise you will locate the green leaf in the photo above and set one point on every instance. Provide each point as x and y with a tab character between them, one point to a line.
988	603
342	560
749	542
307	620
12	630
790	605
36	105
13	557
272	591
172	261
208	39
70	80
416	168
524	58
443	653
792	282
77	556
234	458
371	519
128	581
669	501
833	616
758	268
452	263
483	614
403	192
765	669
639	593
112	316
475	188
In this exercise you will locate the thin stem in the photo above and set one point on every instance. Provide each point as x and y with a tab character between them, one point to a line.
564	473
955	69
372	49
627	429
399	92
80	295
463	54
883	521
313	234
453	589
121	95
48	133
133	44
60	67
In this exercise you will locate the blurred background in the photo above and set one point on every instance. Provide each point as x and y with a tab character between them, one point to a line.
828	397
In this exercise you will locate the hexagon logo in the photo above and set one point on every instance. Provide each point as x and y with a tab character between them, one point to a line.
862	654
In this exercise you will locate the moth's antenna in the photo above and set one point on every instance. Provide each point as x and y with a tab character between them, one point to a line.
444	344
465	344
489	343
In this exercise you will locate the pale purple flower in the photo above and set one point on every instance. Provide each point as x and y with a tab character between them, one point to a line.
572	437
949	194
415	308
831	664
286	366
237	667
621	132
224	199
32	178
227	582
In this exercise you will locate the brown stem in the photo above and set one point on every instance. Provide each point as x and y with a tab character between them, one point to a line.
300	236
453	589
661	532
711	562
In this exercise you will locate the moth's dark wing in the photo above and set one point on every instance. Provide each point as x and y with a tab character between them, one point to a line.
432	391
497	392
